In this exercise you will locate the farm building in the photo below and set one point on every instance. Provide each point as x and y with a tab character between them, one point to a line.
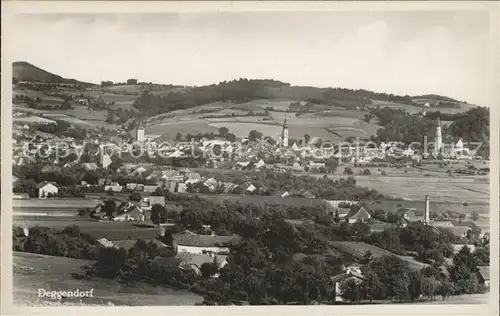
193	243
47	189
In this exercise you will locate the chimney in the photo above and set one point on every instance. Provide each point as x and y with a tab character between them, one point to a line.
427	211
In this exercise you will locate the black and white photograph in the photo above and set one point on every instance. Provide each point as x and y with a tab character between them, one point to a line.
253	157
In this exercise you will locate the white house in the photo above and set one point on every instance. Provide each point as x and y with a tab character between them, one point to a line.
46	188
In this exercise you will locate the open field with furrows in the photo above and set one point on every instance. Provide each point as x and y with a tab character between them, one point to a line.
471	190
79	116
33	272
454	190
358	249
348	123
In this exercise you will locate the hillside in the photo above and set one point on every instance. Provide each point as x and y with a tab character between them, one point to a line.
240	105
24	71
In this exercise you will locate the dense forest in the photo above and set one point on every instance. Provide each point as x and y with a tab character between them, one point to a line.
244	90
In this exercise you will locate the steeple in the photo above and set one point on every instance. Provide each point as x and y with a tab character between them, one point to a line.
284	134
439	122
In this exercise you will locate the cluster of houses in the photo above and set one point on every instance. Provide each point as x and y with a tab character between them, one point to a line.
191	250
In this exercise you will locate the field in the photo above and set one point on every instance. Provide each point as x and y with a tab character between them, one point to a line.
337	123
393	105
32	120
33	272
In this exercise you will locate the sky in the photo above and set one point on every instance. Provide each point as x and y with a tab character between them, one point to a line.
394	52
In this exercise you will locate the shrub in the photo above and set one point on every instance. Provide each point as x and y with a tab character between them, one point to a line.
135	196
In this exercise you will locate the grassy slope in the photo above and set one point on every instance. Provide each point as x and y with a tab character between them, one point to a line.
54	273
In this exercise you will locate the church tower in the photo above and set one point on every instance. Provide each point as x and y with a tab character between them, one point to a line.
140	133
438	141
284	136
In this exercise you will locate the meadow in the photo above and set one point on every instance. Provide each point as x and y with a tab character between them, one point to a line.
33	272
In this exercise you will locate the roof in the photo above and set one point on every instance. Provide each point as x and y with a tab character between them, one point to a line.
130	243
484	271
44	183
459	230
359	212
344	276
404	210
198	259
171	262
188	238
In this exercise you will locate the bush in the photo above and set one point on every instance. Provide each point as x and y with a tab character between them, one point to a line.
135	196
366	172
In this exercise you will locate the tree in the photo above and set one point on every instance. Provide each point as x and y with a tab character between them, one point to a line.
254	135
178	137
231	137
135	196
223	131
372	287
350	290
445	289
208	269
366	172
400	286
429	286
348	171
475	216
158	214
109	208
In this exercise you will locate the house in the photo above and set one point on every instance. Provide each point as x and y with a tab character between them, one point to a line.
47	189
260	164
442	224
410	214
131	213
351	273
194	261
484	275
460	231
152	200
131	186
128	244
316	164
211	184
114	186
188	241
103	182
90	166
150	188
181	188
358	214
251	188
